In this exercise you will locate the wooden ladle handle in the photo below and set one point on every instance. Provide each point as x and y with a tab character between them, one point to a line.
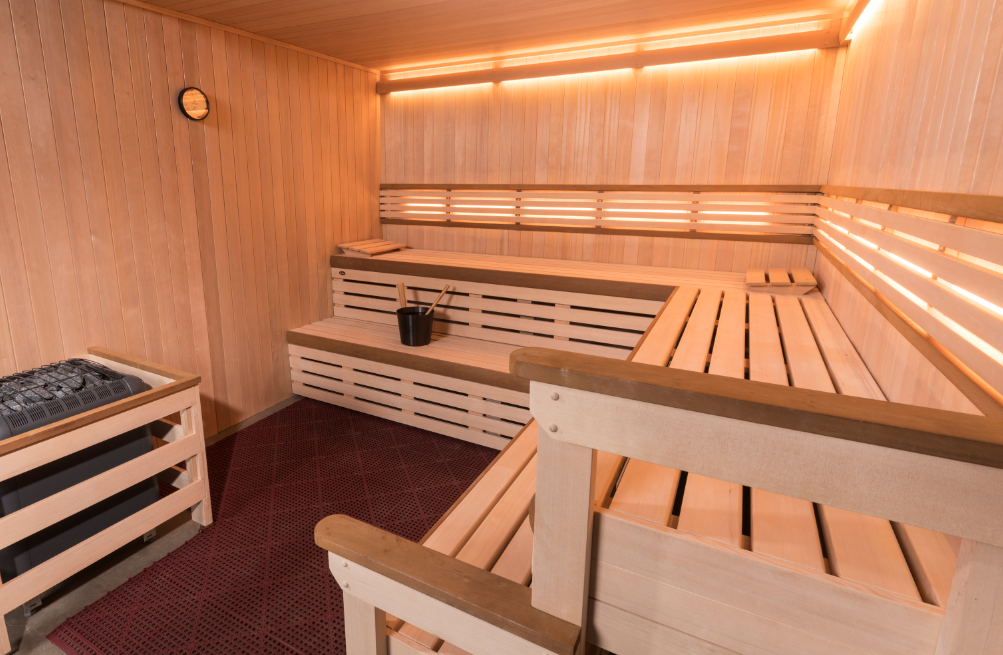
438	298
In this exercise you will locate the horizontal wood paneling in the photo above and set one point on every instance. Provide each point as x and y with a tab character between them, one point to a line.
191	244
922	103
940	271
904	374
766	119
706	254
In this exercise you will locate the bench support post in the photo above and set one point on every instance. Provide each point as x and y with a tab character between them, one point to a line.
973	624
365	627
562	548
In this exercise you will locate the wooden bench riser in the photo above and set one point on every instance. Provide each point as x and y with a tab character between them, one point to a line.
745	602
391	392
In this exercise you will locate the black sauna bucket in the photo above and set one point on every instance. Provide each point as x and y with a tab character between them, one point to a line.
415	324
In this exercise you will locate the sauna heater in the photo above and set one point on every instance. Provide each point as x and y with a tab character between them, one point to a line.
52	393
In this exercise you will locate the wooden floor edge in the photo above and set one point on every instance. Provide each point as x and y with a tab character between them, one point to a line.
984	397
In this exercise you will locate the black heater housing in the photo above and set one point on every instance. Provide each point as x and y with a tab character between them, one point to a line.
48	394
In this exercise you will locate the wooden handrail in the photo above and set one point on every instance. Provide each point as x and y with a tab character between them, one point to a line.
480	594
934	432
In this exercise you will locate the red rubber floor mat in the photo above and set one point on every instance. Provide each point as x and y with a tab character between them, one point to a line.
254	582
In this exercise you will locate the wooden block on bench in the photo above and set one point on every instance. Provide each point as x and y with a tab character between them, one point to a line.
369	247
755	277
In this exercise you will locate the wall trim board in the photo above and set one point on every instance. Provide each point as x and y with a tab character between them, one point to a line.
984	397
967	205
762	45
851	19
607	231
251	35
751	188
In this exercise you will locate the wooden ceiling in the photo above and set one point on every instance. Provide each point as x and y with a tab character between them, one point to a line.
407	34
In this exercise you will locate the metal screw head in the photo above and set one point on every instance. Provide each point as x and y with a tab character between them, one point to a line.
553	428
555	396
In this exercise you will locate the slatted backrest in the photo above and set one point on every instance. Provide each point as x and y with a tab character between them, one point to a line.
763	213
594	324
944	272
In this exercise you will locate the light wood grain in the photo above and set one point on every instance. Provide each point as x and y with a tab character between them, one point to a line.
160	237
936	131
973	619
365	627
623	127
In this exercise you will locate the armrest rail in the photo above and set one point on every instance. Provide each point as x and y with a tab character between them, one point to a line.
473	609
937	433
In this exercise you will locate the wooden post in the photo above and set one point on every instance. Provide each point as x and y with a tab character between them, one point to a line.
562	549
197	467
973	624
365	627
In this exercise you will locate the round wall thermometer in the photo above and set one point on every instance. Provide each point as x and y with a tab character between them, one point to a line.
193	103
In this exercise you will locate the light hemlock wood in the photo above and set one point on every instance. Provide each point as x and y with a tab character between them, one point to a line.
860	547
647	490
460	628
193	244
781	526
755	277
562	546
803	277
746	602
779	278
973	624
931	559
895	143
901	370
720	252
710	507
365	627
873	480
650	118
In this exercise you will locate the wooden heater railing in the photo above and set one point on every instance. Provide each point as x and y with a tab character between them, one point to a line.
171	393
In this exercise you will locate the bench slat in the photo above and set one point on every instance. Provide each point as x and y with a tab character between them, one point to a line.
456	298
861	547
781	526
713	508
451	309
647	490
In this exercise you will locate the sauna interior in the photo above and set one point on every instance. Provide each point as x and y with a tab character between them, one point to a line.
501	328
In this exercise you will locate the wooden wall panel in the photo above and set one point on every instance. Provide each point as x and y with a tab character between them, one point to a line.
705	254
194	244
766	119
922	101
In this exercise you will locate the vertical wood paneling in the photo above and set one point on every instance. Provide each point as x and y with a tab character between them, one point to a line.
748	120
193	244
922	100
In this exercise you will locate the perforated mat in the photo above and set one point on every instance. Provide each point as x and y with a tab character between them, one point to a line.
254	582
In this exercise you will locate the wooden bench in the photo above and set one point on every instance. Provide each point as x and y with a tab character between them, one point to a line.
886	582
459	385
